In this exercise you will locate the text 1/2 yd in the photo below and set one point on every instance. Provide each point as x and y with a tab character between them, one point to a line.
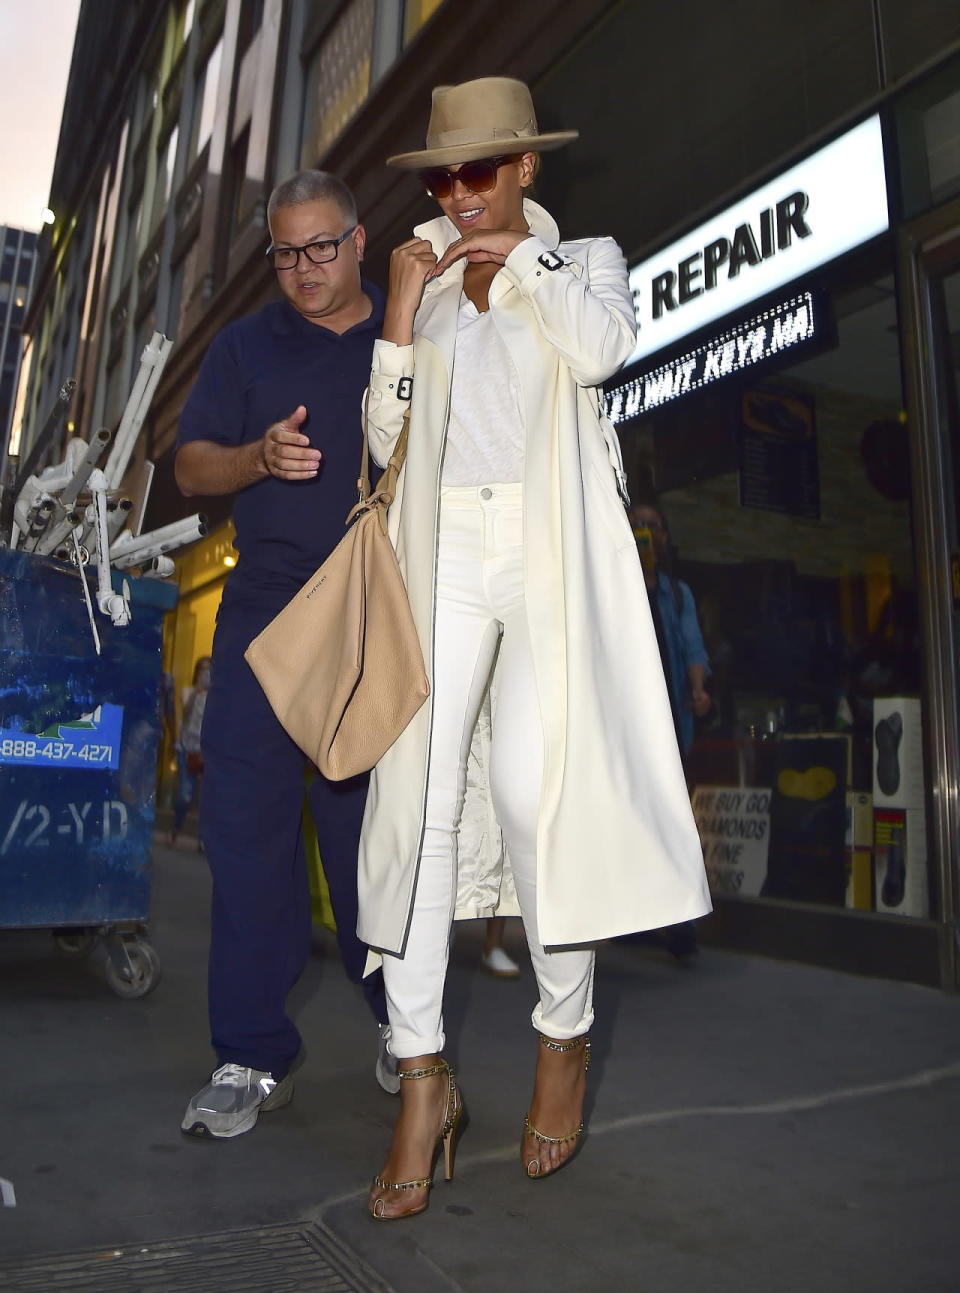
38	826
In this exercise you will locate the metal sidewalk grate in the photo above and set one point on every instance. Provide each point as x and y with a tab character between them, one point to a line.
281	1259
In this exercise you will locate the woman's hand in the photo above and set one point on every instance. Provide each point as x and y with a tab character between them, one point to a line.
411	265
481	246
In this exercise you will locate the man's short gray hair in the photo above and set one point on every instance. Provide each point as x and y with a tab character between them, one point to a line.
313	186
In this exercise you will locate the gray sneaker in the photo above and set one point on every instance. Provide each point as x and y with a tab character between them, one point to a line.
230	1102
386	1064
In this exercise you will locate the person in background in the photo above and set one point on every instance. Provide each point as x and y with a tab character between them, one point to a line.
193	702
274	418
495	958
682	651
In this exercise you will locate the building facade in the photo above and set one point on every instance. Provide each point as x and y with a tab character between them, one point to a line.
18	261
785	182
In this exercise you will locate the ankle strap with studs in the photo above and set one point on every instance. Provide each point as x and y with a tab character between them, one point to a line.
574	1044
407	1075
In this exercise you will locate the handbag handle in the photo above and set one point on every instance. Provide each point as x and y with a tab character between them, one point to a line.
386	488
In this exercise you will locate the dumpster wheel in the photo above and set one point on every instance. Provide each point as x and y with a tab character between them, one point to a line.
132	967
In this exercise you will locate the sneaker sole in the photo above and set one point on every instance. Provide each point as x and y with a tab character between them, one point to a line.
388	1082
280	1096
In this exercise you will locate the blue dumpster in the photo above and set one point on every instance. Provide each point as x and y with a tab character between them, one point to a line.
78	752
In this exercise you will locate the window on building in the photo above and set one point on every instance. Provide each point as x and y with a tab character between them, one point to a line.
162	189
205	102
172	327
251	18
338	77
132	247
415	14
236	183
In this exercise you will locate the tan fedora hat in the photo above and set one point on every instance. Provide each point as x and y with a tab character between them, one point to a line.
492	115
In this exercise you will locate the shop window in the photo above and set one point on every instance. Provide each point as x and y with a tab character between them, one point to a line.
415	14
787	500
338	77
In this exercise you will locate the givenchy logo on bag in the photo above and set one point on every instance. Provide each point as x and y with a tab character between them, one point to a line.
317	585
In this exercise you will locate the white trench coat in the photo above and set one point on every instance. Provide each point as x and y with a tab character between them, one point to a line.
617	848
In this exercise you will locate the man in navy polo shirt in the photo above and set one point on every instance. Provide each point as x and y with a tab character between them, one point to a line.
274	417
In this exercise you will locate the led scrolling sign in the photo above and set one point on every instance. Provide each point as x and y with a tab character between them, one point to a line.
824	206
767	334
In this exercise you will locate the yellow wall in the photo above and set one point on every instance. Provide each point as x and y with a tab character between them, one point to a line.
417	12
188	630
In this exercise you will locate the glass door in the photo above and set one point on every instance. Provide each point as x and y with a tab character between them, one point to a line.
930	270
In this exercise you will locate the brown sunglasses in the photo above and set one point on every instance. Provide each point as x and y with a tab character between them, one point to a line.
476	177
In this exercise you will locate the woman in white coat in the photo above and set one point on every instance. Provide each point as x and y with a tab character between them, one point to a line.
542	776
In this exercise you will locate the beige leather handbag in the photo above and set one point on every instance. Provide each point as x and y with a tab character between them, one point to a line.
341	664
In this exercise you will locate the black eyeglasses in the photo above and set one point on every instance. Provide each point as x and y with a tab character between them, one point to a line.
476	177
318	253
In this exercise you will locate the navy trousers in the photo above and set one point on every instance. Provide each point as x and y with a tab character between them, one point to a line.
250	825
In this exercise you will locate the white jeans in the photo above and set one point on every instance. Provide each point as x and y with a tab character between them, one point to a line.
481	629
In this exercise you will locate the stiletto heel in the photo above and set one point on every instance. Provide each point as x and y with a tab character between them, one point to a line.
447	1139
576	1043
450	1148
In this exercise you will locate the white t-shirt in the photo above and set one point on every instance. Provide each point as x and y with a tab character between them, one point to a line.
485	435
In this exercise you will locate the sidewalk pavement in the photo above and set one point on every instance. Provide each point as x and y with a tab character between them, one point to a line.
753	1126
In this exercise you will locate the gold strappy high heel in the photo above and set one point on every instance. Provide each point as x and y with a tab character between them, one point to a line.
576	1043
447	1138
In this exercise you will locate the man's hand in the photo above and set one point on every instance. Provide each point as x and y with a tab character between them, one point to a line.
700	702
287	452
482	246
207	469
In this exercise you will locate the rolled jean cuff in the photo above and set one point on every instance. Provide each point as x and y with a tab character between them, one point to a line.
557	1032
404	1044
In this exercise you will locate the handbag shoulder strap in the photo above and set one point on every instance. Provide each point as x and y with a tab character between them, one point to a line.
387	484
